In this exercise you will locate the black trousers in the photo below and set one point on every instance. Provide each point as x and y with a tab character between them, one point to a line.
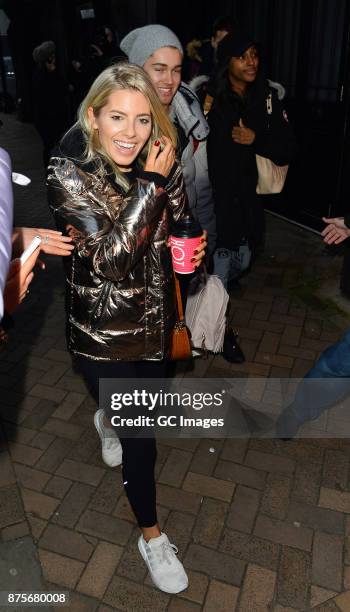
139	454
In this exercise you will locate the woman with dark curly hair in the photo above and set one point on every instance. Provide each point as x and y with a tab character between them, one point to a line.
246	119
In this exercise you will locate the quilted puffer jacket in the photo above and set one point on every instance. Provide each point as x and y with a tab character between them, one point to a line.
120	297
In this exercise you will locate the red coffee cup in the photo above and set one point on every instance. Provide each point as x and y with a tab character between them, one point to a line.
185	238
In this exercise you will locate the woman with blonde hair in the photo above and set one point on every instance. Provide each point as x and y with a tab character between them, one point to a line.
114	185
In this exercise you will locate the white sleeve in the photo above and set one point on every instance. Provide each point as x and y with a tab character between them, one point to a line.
6	221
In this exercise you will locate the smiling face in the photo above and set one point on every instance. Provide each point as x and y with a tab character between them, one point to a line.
243	70
164	69
124	125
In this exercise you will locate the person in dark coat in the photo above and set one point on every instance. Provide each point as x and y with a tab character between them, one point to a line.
51	106
246	119
201	54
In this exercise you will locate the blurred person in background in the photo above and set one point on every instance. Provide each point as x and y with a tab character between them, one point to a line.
51	102
100	51
202	56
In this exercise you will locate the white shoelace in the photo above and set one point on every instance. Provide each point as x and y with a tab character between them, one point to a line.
165	552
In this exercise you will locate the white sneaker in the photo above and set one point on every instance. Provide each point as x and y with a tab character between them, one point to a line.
112	452
167	572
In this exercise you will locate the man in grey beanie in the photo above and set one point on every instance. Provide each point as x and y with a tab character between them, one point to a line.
159	51
141	43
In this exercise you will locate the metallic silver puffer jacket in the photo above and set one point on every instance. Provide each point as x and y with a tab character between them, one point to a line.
120	296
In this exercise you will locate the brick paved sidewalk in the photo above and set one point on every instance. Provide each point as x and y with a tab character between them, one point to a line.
260	524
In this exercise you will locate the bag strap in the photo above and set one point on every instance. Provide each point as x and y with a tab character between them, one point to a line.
180	312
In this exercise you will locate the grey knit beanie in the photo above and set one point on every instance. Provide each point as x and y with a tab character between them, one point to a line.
139	44
43	52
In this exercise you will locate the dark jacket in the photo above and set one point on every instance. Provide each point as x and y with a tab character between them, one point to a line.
232	166
120	296
50	105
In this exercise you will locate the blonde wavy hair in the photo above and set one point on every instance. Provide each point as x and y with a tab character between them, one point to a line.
121	76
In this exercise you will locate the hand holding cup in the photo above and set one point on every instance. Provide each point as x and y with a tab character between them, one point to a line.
187	242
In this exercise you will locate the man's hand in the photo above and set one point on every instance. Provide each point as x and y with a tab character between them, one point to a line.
242	134
52	242
336	230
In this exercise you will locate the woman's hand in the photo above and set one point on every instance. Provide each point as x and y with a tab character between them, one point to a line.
199	253
160	161
243	135
336	230
52	242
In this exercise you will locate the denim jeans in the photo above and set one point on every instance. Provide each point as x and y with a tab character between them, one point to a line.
229	264
323	386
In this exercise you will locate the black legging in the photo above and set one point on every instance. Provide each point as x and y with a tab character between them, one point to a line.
139	454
